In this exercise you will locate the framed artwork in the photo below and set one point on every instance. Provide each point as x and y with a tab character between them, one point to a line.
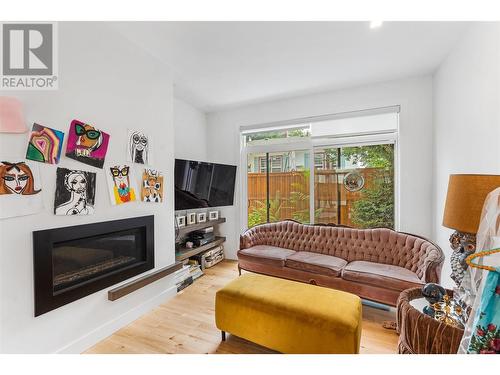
20	188
191	218
181	221
87	144
213	215
152	186
45	144
121	184
138	147
202	217
75	192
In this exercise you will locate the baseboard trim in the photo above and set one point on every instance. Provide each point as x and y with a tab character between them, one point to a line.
376	305
107	329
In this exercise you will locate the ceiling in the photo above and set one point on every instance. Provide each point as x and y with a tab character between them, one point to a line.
218	65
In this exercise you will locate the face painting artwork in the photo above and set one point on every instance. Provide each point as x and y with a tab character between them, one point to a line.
138	147
152	186
75	192
87	144
121	186
45	144
20	188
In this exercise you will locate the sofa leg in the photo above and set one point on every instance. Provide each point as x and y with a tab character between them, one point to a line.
223	334
239	270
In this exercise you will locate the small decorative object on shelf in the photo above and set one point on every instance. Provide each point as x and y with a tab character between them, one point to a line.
181	221
433	293
202	217
213	215
442	307
450	312
191	218
189	245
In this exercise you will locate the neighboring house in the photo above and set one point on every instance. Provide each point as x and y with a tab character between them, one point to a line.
294	161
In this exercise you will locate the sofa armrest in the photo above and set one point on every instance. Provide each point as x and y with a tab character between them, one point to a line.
433	263
246	239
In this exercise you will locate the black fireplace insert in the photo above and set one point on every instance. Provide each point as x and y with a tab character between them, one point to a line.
73	262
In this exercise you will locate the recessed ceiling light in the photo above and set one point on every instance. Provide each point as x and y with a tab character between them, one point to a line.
375	24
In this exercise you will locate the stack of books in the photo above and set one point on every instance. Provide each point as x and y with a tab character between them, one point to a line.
183	278
189	272
195	269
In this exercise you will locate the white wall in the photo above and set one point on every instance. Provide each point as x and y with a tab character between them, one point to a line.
190	127
108	82
466	117
415	97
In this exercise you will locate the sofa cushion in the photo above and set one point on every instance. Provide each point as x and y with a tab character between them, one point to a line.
382	275
316	263
271	255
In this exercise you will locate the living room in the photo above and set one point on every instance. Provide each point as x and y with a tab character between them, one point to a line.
250	187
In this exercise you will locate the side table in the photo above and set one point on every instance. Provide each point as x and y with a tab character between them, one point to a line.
421	334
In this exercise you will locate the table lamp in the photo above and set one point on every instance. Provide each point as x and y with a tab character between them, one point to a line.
11	115
462	212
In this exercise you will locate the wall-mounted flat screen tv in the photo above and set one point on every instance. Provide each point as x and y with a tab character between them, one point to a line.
199	184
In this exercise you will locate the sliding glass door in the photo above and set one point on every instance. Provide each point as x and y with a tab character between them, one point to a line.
354	185
334	170
278	186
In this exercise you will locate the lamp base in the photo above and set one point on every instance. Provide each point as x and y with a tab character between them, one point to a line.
463	244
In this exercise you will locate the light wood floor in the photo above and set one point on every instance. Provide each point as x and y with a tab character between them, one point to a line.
185	324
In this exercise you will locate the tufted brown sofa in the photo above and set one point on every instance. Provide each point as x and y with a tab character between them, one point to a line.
376	264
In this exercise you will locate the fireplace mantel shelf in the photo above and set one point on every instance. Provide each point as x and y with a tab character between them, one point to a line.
141	282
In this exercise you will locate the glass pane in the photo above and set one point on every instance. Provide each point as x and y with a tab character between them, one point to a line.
354	186
289	186
257	189
277	136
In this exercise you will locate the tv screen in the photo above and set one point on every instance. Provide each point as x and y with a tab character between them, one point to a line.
199	184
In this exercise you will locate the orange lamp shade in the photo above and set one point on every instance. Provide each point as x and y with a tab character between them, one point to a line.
11	115
465	199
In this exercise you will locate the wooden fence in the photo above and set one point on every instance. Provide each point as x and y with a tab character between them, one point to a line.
290	192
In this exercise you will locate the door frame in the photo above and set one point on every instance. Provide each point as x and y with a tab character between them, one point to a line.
309	144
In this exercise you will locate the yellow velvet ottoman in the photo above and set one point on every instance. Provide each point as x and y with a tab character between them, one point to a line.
288	316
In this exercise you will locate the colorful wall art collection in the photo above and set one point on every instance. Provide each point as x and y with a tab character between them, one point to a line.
75	192
20	188
121	184
87	144
152	186
138	147
45	144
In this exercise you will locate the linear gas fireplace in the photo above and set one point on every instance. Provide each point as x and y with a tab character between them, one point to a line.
73	262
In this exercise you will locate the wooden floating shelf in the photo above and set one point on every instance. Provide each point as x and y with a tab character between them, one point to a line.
185	252
197	226
141	282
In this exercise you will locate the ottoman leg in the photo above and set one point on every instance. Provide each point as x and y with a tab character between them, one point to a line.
239	270
223	334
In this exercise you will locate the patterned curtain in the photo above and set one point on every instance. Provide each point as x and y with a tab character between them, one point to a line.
482	333
486	329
